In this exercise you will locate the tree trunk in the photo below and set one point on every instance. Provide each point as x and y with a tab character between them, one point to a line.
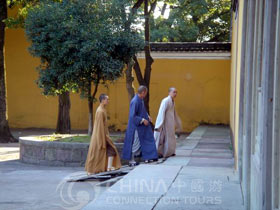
90	116
63	120
90	107
163	9
129	81
149	59
5	134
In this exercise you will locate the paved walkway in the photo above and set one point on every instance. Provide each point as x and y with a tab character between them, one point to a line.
26	186
199	177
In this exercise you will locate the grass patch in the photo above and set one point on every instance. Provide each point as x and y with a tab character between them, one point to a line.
73	138
53	137
77	139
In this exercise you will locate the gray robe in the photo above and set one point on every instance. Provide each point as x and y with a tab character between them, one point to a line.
167	123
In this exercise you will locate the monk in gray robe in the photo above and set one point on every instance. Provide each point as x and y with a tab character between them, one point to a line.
167	123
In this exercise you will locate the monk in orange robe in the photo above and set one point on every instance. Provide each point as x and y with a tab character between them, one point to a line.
102	153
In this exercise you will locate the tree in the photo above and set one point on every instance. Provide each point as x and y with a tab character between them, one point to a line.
189	20
5	134
194	21
51	53
81	44
22	7
148	7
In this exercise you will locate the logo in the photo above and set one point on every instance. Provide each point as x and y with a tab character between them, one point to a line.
75	195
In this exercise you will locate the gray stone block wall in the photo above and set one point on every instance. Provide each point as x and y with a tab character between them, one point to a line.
56	153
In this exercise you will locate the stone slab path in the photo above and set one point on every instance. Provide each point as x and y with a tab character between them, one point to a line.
200	177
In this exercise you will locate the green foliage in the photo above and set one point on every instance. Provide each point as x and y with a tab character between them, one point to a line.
80	43
21	7
194	21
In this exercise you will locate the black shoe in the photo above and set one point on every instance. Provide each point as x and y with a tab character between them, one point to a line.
150	161
137	156
133	164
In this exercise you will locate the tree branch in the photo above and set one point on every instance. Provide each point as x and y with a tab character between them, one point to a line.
153	6
138	72
95	90
137	4
163	9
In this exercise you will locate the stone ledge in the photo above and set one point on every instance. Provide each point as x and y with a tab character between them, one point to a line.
55	153
51	144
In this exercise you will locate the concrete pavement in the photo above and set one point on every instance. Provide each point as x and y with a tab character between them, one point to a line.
26	186
200	177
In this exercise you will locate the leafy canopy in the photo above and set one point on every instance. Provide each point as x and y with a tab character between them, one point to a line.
193	21
80	43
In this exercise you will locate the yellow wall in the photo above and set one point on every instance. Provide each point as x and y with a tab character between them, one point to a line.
203	91
235	76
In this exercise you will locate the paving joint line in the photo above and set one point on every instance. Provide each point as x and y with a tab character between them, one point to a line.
167	189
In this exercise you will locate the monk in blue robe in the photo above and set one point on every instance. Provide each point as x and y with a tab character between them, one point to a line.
139	138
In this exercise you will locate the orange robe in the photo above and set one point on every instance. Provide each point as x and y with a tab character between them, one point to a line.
97	159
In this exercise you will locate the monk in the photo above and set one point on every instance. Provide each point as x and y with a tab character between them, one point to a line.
102	153
139	139
167	123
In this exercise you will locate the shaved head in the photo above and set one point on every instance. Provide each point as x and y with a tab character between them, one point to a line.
172	92
102	97
142	89
171	89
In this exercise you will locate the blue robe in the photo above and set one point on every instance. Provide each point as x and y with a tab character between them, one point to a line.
137	112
